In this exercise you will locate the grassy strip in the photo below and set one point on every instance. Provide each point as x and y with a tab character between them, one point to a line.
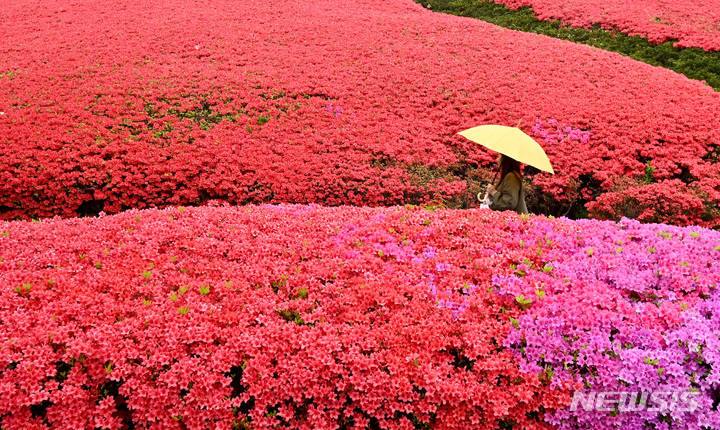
694	63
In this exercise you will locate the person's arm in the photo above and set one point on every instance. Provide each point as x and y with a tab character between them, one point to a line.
507	194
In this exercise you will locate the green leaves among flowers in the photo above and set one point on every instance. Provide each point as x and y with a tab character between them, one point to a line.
524	303
25	288
650	361
291	315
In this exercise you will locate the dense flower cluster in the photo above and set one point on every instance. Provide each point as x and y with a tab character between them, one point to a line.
669	201
693	24
126	104
262	316
311	317
621	307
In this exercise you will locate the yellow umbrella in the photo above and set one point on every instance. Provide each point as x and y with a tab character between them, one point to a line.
510	141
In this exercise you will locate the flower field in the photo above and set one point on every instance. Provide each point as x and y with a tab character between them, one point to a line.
692	24
145	105
323	318
283	230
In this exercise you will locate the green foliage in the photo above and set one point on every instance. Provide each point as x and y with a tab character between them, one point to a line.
665	235
524	303
694	63
649	170
26	286
276	285
291	316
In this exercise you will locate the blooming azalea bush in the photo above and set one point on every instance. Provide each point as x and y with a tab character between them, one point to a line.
336	103
692	24
263	317
671	201
311	317
621	307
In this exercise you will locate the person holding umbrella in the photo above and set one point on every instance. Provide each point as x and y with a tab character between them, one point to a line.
508	195
515	147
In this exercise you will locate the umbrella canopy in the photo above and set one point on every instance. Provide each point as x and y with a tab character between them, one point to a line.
510	141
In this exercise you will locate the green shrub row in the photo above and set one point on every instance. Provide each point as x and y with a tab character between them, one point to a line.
694	63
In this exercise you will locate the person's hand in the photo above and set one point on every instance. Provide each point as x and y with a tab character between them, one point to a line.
491	189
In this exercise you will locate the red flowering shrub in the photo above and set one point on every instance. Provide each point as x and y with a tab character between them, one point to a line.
694	24
669	201
336	103
256	317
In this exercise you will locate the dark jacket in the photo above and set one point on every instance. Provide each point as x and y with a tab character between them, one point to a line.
510	195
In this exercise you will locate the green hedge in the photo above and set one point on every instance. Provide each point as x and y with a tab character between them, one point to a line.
692	62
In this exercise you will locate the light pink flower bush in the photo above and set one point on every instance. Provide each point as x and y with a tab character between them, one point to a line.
621	307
